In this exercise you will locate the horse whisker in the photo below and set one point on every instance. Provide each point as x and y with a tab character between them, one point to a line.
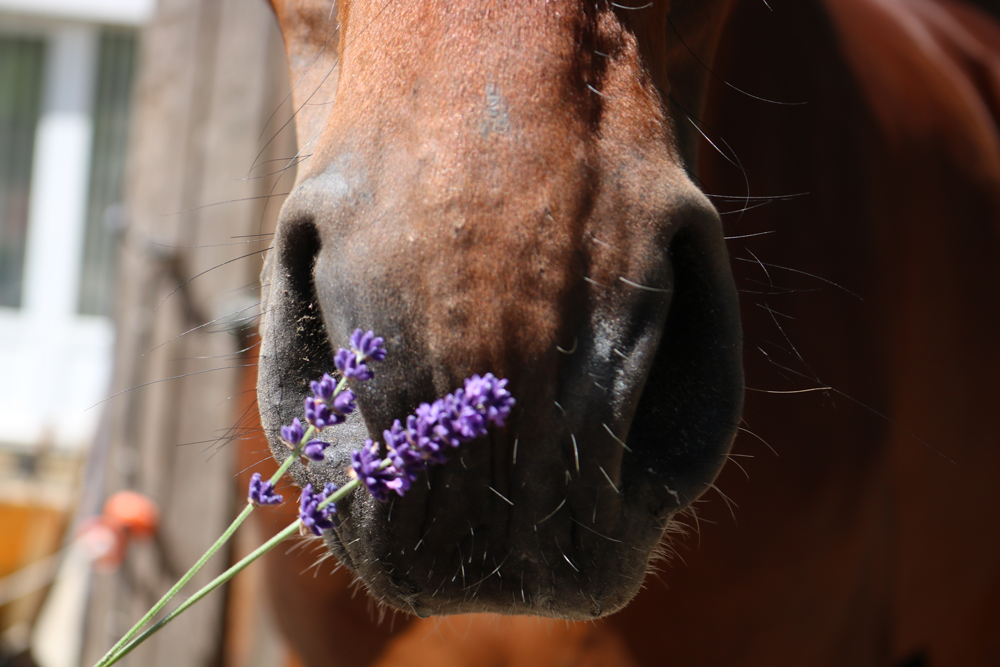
502	497
617	439
608	477
552	513
663	290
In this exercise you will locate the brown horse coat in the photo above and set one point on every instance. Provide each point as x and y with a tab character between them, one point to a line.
871	536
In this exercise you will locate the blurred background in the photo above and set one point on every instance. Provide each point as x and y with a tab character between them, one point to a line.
144	147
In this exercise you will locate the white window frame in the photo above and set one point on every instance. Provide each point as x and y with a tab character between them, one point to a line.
55	364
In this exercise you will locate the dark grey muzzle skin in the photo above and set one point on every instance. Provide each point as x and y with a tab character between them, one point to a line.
624	416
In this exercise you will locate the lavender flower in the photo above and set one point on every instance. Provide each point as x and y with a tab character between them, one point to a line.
365	346
313	517
424	440
348	364
368	345
314	450
344	402
464	421
366	465
262	493
324	387
292	435
320	415
489	396
324	408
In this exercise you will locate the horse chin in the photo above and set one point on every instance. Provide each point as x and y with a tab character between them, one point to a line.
560	513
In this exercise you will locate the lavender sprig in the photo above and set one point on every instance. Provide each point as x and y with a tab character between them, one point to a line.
295	437
446	423
465	415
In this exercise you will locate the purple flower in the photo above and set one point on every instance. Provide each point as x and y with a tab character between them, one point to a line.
344	402
464	420
367	466
315	519
424	440
262	493
323	408
314	449
292	435
489	397
433	421
367	345
323	389
348	364
394	437
402	482
427	435
320	415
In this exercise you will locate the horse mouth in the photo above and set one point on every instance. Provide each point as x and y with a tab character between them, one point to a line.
559	513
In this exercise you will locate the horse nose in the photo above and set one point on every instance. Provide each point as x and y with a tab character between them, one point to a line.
609	306
629	354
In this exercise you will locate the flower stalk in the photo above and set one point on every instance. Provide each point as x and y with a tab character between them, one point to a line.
410	447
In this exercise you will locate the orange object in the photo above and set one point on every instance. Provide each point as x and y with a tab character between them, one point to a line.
135	512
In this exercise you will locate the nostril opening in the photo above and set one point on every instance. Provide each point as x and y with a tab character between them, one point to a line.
688	411
295	348
298	251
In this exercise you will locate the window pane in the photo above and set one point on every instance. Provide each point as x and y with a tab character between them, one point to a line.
21	63
104	209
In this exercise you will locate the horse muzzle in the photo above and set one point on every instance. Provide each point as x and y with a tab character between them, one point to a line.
629	392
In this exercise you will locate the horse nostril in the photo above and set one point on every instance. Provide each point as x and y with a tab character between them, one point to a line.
295	345
689	409
296	249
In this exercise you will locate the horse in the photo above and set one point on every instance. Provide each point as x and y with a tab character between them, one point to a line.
513	187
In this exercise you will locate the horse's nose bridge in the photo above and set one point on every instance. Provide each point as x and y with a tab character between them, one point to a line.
474	252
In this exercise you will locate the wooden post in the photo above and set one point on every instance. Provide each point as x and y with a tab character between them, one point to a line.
207	86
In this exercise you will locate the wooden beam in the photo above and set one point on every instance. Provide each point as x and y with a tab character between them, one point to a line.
206	88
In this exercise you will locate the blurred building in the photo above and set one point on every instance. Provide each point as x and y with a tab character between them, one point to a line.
161	155
66	71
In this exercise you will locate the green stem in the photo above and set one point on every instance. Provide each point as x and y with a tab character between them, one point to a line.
125	645
215	583
169	595
158	607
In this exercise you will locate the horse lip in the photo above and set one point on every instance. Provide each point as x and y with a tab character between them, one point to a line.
360	513
362	517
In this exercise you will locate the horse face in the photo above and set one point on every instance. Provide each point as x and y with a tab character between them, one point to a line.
502	186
